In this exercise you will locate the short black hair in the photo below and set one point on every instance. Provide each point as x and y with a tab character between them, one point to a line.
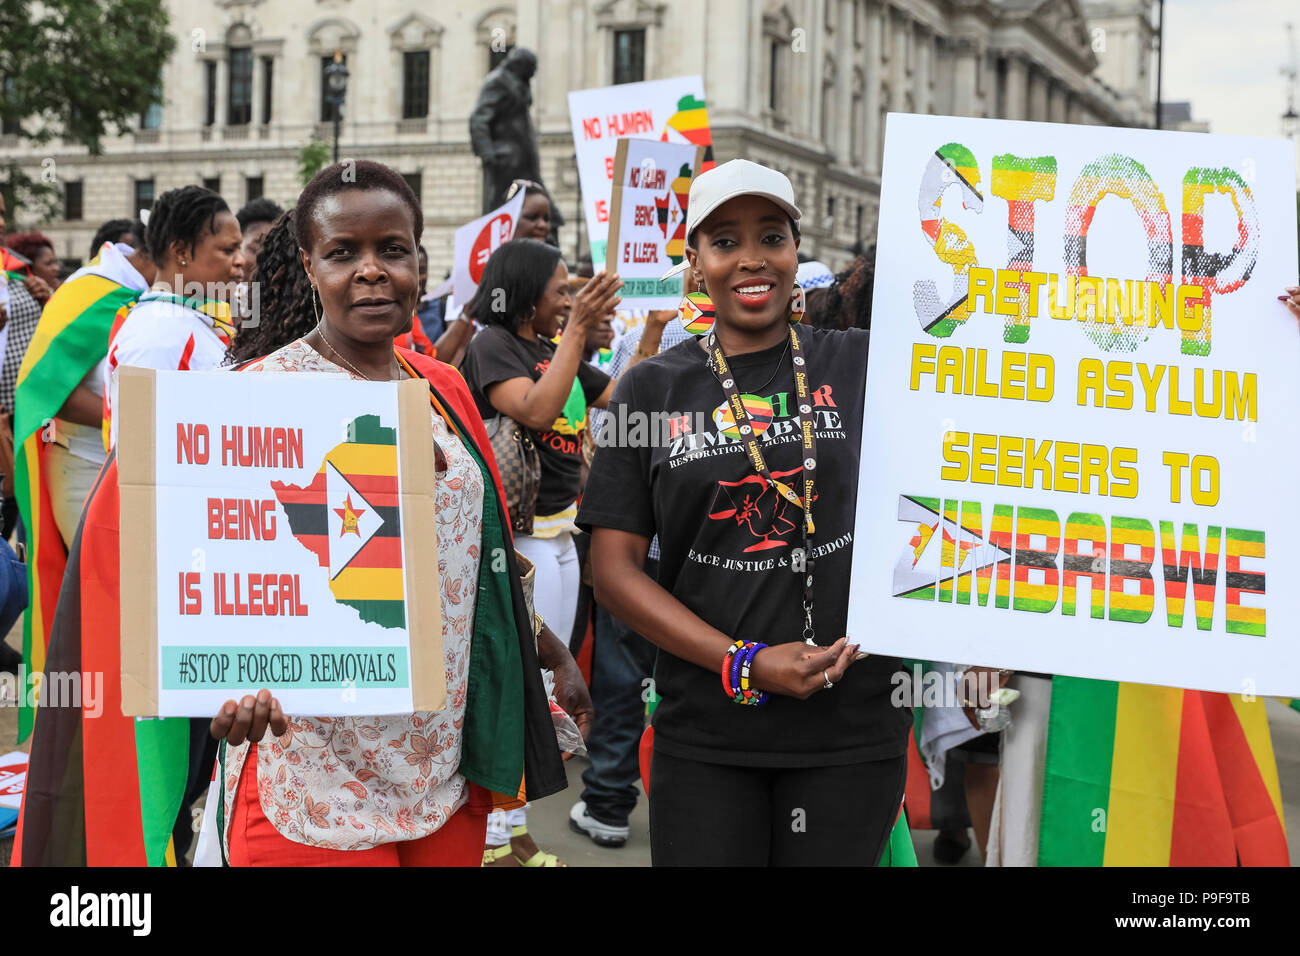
114	230
514	280
182	215
362	174
258	210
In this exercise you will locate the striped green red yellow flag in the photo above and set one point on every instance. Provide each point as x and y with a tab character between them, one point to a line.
70	338
349	516
102	789
1138	775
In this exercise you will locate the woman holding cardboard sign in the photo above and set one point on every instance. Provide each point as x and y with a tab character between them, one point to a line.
801	759
406	789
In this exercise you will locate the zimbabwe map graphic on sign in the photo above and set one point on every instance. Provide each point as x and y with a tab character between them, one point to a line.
350	518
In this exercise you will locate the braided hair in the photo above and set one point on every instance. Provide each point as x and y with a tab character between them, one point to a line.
361	174
182	215
285	311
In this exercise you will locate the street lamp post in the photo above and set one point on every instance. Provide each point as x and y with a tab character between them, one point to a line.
336	91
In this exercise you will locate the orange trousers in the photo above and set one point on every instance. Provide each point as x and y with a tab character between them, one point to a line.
254	840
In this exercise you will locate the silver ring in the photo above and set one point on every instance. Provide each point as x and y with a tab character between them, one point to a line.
829	683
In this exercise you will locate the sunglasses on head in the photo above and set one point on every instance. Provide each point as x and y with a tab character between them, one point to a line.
519	184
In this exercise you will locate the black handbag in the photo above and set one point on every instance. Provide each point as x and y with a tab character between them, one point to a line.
520	467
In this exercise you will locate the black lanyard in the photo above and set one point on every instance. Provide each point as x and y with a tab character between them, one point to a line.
801	560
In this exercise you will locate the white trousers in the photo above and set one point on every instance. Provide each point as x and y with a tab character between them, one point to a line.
555	589
71	479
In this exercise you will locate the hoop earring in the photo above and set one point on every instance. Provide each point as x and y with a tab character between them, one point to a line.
798	305
697	313
314	307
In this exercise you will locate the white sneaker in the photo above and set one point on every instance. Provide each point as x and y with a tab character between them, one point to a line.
602	834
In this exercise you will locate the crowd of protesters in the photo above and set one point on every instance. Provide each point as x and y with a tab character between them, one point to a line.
610	545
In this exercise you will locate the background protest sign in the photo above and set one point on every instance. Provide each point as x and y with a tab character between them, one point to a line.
1080	443
647	233
477	240
671	111
277	531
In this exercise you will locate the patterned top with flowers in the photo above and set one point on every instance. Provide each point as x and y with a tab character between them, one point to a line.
352	783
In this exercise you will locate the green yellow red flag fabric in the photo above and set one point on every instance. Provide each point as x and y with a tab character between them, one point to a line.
69	340
102	789
1138	775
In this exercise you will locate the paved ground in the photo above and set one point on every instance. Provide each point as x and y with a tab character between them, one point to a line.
549	819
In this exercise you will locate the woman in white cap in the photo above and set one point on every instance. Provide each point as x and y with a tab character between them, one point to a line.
775	742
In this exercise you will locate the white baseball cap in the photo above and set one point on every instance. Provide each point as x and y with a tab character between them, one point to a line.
739	177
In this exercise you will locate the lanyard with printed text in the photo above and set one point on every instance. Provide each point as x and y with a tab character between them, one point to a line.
801	560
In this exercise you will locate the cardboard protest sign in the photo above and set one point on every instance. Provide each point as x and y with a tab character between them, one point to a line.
476	241
647	232
277	531
671	111
1082	412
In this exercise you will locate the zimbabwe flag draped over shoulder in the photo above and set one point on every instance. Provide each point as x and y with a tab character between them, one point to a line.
102	789
70	338
105	790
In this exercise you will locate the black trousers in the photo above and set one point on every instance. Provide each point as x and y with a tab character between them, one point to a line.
704	814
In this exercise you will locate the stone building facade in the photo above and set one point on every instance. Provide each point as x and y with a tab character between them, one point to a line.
801	85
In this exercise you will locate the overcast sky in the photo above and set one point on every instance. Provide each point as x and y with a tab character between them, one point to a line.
1226	56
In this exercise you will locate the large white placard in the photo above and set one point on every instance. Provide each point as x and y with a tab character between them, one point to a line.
277	531
652	185
1083	407
671	110
476	241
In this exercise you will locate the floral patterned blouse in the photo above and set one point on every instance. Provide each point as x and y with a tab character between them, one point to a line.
352	783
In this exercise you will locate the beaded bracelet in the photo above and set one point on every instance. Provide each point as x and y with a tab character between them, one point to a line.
736	664
727	658
753	694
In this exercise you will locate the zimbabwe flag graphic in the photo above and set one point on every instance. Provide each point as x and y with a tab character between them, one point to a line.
350	518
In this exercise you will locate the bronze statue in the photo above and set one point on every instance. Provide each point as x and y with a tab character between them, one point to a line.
501	130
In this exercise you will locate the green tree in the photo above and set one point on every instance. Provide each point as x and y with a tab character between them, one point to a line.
76	71
312	158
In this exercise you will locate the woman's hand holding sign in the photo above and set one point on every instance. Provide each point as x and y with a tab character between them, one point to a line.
1292	300
249	719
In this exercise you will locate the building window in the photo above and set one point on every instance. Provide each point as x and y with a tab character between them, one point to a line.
497	57
416	182
239	111
629	56
326	107
1000	97
252	188
210	87
72	192
151	118
212	183
143	194
857	227
268	73
415	84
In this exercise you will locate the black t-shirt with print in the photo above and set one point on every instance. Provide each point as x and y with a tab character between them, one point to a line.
726	539
495	355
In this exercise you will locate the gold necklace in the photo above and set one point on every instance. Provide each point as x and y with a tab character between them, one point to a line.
321	331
